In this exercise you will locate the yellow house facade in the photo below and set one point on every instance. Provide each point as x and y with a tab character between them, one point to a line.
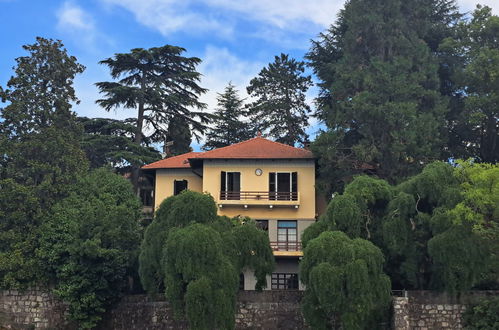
267	181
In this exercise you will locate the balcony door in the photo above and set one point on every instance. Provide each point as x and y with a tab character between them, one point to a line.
230	185
287	235
283	186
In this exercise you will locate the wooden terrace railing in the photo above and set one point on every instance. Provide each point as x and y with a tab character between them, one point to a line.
286	246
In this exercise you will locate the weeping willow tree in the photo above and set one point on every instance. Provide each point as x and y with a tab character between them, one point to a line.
345	284
195	257
438	229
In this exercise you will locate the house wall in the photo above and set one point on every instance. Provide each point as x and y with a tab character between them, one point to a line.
251	182
166	177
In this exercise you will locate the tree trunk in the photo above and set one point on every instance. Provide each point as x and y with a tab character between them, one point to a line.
138	134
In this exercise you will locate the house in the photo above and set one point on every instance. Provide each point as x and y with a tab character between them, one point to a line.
270	182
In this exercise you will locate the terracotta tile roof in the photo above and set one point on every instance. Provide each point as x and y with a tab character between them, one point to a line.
180	161
257	148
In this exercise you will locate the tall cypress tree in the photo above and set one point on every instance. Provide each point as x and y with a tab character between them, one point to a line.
380	97
228	125
279	109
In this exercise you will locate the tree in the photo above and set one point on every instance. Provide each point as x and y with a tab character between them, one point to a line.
89	244
345	284
228	126
475	48
179	134
110	142
203	285
161	84
280	109
380	97
41	155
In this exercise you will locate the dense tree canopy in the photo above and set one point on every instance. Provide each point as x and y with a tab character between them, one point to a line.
438	229
380	92
109	142
279	109
40	156
89	243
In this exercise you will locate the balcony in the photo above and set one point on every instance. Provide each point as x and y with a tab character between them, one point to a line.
286	249
259	198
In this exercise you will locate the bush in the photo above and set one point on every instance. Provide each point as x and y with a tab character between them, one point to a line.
483	315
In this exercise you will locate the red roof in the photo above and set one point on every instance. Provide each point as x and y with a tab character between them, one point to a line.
257	148
180	161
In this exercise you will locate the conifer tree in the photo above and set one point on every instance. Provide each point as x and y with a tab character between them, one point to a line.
280	109
380	92
228	125
41	155
179	134
161	84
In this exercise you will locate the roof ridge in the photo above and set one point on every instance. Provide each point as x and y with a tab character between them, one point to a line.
235	144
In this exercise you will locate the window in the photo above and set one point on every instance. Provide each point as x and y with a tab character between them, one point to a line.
241	281
230	185
284	281
263	224
146	196
179	186
287	236
283	186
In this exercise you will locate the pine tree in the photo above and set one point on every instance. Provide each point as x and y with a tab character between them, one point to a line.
179	134
228	125
380	93
280	109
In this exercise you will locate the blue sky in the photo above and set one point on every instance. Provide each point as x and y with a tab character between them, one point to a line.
234	38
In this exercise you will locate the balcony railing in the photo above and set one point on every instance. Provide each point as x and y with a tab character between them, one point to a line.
286	246
259	195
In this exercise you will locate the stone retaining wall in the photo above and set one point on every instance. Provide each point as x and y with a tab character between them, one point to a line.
429	310
34	308
417	310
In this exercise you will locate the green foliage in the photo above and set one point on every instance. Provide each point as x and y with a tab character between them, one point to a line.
160	83
197	256
228	127
438	229
89	244
475	51
110	142
179	133
380	97
206	279
41	156
483	315
279	109
345	283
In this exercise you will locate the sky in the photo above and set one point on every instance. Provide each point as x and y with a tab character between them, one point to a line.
234	38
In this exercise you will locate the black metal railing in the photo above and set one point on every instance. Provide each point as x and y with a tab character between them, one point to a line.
259	195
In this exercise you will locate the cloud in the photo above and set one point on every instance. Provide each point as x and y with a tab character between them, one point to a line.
220	17
219	67
77	24
72	17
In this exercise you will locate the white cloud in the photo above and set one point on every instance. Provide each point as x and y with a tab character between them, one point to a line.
219	16
168	16
72	17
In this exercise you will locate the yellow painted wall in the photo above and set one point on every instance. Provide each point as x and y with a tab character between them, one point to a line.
166	177
251	182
